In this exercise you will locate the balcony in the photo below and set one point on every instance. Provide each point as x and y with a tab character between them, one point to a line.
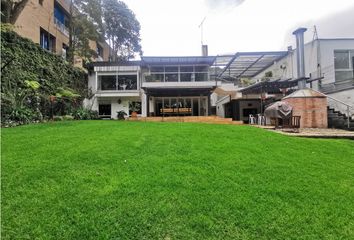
61	27
178	76
118	84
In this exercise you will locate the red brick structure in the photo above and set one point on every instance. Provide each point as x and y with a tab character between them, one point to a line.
311	106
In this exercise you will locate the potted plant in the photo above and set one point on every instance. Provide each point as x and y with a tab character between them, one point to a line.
135	108
121	115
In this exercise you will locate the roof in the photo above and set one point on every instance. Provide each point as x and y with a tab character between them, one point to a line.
274	86
249	64
305	93
118	63
187	60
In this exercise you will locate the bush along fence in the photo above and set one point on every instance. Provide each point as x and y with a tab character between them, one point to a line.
37	85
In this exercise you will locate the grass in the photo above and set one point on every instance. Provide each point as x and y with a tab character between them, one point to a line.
136	180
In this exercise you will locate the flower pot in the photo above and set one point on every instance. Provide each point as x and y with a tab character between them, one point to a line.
134	115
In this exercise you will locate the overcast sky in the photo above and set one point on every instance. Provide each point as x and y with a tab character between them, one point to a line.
170	27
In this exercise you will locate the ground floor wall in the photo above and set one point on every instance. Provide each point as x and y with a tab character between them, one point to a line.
109	106
313	111
239	109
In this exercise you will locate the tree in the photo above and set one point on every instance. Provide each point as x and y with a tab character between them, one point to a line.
122	30
81	30
11	10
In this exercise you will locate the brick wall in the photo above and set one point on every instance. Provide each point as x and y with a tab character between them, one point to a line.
313	111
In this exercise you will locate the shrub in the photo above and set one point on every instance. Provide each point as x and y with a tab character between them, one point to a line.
85	114
57	118
68	118
121	115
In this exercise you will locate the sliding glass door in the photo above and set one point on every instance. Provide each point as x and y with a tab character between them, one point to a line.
181	106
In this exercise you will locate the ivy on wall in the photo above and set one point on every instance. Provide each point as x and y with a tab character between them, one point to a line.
25	62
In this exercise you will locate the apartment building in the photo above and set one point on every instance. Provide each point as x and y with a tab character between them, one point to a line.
46	23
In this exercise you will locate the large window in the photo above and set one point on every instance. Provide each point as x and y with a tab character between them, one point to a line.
178	74
47	40
118	82
344	65
61	19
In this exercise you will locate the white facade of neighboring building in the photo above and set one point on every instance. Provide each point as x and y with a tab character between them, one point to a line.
320	61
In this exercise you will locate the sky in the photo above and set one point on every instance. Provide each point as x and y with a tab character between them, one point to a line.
172	27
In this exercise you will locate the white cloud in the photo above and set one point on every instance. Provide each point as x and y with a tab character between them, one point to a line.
170	27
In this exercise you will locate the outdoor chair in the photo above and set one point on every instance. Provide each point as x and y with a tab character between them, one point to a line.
292	124
251	119
261	120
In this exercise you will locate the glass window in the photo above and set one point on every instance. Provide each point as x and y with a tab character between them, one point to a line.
201	68
154	78
166	102
127	82
188	103
341	59
104	109
47	41
171	77
157	69
171	69
344	75
186	77
188	69
108	82
200	77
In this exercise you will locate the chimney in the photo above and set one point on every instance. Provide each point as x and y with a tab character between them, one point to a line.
204	50
300	57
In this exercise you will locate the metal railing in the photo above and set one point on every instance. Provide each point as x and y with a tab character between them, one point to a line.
348	107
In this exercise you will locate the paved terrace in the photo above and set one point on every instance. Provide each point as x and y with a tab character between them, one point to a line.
313	132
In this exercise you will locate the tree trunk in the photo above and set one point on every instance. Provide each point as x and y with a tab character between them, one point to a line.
16	10
70	51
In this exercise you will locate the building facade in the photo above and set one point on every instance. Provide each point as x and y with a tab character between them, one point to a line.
331	61
46	23
161	86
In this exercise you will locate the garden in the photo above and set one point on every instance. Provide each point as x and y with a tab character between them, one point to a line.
144	180
37	86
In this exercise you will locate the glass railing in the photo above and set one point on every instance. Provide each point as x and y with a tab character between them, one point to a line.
62	28
177	77
109	83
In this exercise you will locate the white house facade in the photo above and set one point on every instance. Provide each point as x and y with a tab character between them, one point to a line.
161	86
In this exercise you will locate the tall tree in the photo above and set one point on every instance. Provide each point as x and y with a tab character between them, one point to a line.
11	10
122	30
81	30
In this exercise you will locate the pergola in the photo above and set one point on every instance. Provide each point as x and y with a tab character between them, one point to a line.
274	86
248	64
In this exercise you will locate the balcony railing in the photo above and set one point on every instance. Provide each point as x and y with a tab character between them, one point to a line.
62	28
177	77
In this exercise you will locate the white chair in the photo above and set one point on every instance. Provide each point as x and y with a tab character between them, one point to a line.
251	119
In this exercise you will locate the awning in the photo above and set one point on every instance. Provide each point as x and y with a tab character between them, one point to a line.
249	64
274	86
185	60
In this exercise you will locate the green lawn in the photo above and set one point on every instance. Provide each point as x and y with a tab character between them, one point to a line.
136	180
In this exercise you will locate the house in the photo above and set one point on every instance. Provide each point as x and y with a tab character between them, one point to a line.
328	68
162	86
46	23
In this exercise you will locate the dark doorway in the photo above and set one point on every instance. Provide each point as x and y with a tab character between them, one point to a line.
195	107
